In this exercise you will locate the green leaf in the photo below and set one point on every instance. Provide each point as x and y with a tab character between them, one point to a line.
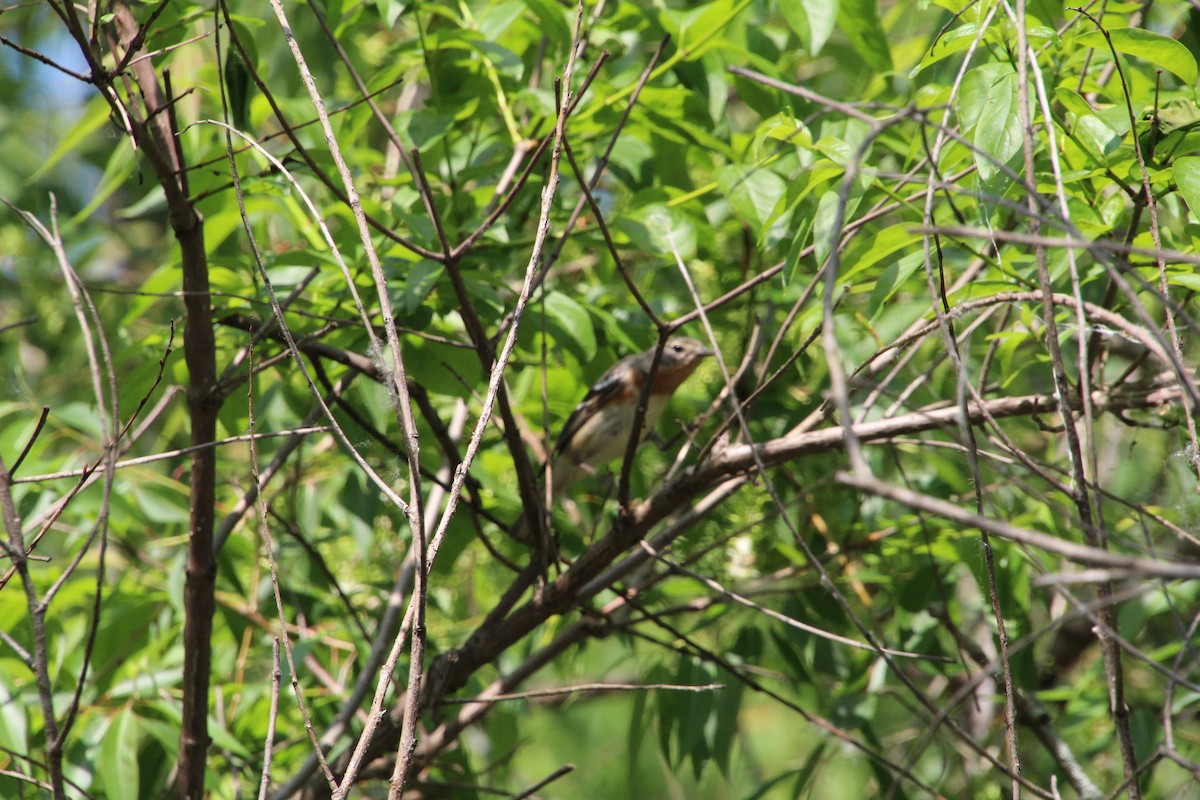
806	772
287	275
1180	113
223	739
825	237
988	104
753	193
506	62
1188	280
120	166
14	721
551	21
391	11
495	20
891	280
998	133
1073	101
799	241
153	202
575	323
666	710
237	87
419	282
812	20
660	229
428	126
954	41
860	20
781	128
695	709
881	245
725	725
802	775
161	504
1094	133
1187	178
118	765
146	682
698	27
437	366
1160	51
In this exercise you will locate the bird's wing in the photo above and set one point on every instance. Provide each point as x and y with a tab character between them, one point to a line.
610	385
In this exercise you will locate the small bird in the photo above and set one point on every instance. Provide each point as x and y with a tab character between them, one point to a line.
599	428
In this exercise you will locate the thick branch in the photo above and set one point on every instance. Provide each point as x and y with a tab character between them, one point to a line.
156	141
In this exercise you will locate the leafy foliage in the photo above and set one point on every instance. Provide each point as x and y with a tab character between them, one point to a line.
942	477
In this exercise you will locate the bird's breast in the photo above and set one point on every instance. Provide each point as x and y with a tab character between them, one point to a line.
604	437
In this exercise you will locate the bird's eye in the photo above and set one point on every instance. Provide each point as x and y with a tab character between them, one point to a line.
678	348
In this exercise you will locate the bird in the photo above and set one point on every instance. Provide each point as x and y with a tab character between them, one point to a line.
599	429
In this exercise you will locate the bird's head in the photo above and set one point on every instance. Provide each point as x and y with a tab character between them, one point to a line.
684	353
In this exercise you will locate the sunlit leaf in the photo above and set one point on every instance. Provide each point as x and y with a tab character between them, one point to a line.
812	20
118	763
575	324
1187	177
988	105
1159	50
